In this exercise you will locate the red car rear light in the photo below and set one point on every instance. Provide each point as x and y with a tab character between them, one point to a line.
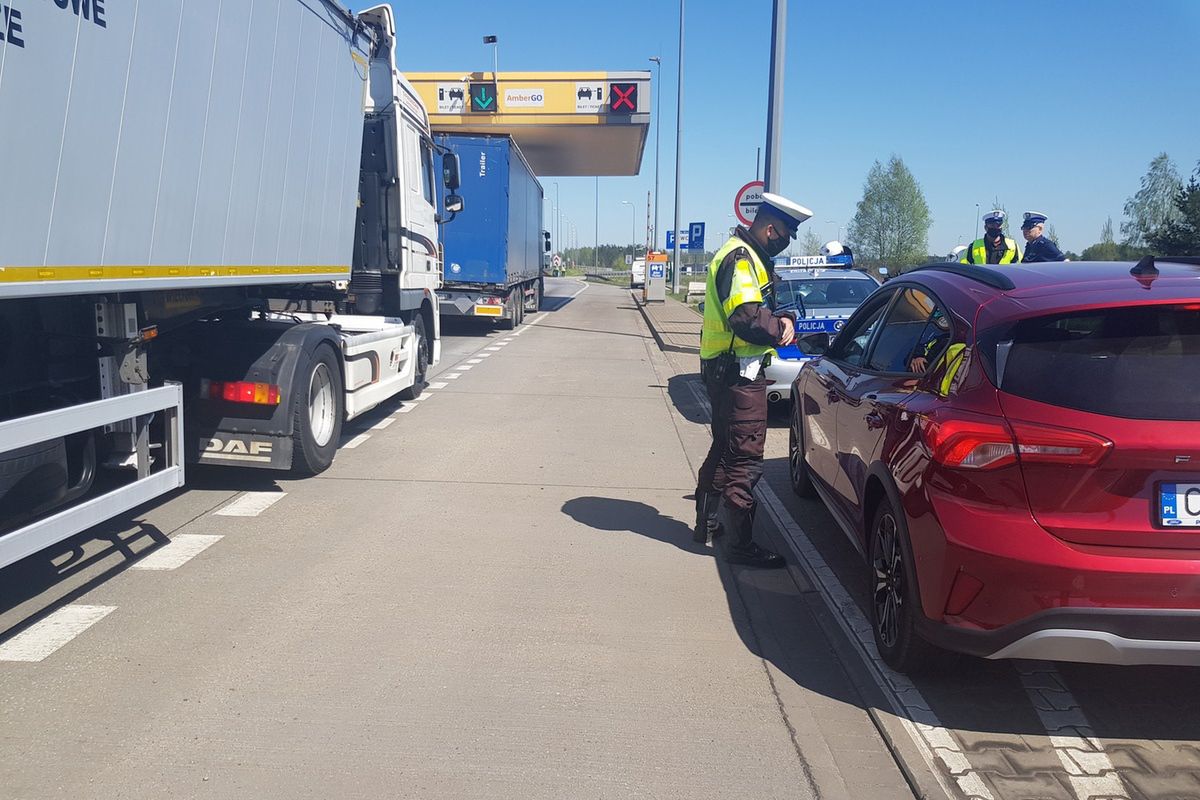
969	441
1043	444
976	441
263	394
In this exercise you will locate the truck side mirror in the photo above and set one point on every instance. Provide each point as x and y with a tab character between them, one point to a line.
451	172
454	203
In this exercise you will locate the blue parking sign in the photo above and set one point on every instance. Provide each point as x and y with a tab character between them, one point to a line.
696	236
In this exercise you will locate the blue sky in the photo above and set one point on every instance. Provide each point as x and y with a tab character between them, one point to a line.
1056	106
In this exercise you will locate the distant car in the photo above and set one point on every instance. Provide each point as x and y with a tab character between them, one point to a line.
823	299
637	273
1016	453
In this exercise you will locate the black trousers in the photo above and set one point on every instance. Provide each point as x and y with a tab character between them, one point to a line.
739	433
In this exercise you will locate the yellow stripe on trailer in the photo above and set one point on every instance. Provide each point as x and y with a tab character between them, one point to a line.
93	273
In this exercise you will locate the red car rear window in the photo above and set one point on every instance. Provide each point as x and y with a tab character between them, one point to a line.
1139	362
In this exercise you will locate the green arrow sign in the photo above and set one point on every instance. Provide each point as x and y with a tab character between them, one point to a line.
483	98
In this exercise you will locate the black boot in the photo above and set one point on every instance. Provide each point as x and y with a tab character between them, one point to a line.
739	546
706	517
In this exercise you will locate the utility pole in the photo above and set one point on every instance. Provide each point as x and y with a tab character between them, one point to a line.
596	254
678	152
652	237
775	96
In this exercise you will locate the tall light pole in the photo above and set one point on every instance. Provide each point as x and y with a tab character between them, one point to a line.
557	225
775	97
632	227
657	145
596	232
495	43
678	151
977	220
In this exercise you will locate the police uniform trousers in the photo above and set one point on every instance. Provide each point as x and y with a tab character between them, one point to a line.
739	433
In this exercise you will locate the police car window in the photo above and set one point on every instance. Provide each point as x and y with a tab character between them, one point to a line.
913	336
850	347
818	293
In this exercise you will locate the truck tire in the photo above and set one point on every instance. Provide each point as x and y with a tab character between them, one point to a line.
317	410
510	305
520	306
541	292
414	391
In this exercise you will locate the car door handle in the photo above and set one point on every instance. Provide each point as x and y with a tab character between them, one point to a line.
832	396
874	420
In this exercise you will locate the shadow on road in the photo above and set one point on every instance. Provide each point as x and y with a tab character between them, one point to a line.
628	516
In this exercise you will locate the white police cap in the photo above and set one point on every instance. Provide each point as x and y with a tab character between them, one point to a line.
792	212
833	248
996	215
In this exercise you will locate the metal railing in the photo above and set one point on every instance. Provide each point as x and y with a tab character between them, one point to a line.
51	425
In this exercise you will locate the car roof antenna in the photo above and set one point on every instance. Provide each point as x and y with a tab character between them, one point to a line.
1145	267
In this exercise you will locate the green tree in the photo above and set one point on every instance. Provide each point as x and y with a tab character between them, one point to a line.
1181	237
891	224
1108	249
1154	204
808	245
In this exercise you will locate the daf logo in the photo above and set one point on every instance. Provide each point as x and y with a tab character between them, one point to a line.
239	449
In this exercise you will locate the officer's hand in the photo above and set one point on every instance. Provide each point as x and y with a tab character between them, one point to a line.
789	332
918	364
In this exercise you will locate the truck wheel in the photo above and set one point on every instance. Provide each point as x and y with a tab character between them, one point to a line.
414	391
317	400
510	305
539	290
520	306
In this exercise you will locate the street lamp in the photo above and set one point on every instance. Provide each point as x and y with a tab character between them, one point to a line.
557	220
632	227
657	140
678	152
495	43
977	220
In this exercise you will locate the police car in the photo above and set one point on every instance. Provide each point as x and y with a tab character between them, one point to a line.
822	292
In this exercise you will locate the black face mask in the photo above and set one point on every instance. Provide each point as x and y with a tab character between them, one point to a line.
777	245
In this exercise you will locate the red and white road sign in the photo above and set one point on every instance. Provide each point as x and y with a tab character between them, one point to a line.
748	199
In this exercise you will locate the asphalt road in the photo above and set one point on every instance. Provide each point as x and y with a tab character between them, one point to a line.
493	593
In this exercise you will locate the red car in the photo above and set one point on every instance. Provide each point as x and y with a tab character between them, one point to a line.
1016	453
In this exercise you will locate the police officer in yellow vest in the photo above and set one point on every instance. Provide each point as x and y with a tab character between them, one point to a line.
740	330
994	247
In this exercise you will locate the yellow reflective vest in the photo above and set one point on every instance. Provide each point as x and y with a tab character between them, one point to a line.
750	281
977	253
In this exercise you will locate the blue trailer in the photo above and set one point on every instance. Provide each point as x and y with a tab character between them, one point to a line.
495	249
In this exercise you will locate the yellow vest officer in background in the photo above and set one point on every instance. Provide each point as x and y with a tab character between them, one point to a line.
994	247
740	330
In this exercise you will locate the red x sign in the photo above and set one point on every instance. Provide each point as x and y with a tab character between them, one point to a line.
622	98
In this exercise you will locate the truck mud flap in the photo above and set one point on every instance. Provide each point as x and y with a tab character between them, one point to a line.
242	450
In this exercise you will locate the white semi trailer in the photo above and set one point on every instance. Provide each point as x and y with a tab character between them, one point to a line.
218	242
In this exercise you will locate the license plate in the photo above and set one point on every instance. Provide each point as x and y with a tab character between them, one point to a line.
1179	505
489	311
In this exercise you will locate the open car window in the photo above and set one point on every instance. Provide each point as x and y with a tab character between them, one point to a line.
852	343
915	332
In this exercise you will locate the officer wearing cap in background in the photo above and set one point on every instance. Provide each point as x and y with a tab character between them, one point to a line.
739	332
994	247
1038	247
837	253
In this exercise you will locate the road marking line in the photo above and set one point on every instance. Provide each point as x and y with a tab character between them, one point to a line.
504	343
383	423
438	385
464	367
475	361
928	733
251	504
452	376
492	349
483	355
356	441
174	554
405	409
581	291
44	637
1088	767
